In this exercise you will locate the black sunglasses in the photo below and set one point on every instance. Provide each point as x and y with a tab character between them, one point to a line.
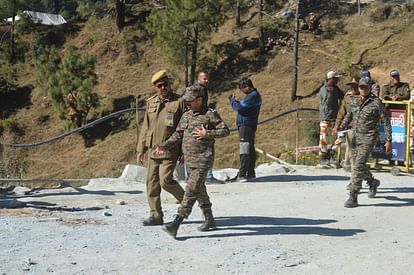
162	84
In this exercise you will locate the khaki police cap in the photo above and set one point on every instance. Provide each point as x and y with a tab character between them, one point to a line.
158	76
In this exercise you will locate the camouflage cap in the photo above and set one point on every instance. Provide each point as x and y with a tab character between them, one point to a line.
364	81
193	91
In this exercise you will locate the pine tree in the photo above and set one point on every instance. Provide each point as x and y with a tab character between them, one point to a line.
180	27
70	87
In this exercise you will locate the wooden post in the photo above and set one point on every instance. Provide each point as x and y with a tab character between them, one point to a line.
297	133
359	7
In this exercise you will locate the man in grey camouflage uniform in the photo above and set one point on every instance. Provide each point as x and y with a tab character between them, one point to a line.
366	112
196	131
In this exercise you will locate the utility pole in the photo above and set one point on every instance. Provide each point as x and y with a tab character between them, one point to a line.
293	96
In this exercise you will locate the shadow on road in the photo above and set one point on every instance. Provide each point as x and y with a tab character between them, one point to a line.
284	178
77	192
396	201
260	226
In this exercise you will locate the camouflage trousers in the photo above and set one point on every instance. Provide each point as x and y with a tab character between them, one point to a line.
195	191
360	153
160	175
324	127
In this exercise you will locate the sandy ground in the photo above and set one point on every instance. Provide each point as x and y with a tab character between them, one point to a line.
283	224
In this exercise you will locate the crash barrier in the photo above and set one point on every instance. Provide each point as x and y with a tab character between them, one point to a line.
102	119
402	138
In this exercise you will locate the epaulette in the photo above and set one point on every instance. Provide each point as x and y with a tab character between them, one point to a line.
152	97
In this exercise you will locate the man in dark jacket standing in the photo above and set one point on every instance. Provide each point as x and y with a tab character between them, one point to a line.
330	98
247	115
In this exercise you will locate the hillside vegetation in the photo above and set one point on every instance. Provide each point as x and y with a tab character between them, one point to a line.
379	39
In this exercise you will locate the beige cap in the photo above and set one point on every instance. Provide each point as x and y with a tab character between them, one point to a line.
332	74
158	76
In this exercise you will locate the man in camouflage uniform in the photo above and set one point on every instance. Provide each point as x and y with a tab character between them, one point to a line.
395	90
343	110
374	84
366	112
162	114
197	130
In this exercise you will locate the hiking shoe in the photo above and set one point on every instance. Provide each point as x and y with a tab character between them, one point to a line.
373	188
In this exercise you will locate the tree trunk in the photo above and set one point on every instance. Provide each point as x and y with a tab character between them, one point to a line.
12	52
187	49
238	8
261	32
120	14
194	54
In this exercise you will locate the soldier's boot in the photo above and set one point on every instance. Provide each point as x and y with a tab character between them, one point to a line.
373	188
172	227
209	222
352	200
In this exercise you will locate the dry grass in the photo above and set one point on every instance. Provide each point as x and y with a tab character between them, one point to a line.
69	158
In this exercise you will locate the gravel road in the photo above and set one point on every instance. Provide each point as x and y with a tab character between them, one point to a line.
283	224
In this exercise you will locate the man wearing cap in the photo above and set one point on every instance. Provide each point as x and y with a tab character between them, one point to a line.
365	116
162	114
343	110
374	84
196	132
395	90
330	98
247	115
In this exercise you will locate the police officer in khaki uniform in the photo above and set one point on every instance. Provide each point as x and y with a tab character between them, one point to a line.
395	90
162	114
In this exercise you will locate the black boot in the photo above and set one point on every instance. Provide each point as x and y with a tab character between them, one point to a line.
151	221
172	227
373	188
209	222
352	200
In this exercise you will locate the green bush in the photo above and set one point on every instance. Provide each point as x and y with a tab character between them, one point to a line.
70	87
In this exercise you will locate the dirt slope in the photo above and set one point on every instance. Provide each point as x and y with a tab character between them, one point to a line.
121	79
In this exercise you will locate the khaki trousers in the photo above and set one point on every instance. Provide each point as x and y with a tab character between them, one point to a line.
160	175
